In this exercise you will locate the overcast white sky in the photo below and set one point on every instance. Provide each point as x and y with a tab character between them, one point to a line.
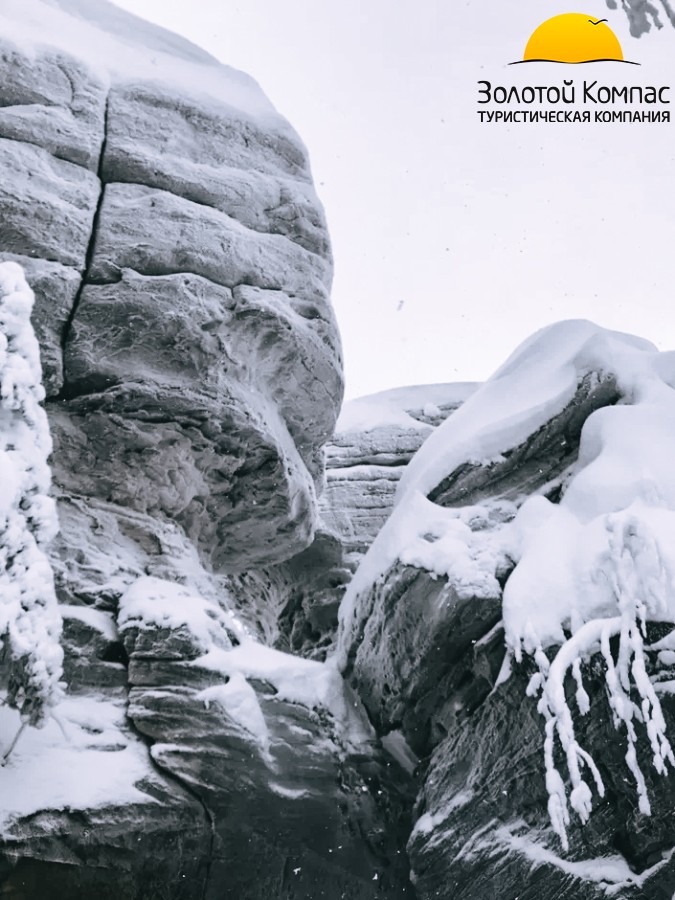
453	240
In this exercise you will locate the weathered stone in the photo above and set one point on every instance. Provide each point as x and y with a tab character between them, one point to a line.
47	204
55	287
313	584
356	503
182	331
175	356
484	831
193	368
413	652
425	654
276	807
376	436
536	463
156	233
214	156
110	852
388	445
94	657
53	100
103	548
233	480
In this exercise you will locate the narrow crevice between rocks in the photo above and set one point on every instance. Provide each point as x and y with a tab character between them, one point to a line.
89	256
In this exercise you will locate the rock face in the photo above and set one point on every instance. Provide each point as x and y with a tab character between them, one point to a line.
166	220
422	642
210	743
182	271
375	438
284	781
481	833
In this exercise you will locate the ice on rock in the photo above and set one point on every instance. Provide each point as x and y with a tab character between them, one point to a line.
600	564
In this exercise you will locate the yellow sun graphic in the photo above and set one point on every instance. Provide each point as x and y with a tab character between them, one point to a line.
573	38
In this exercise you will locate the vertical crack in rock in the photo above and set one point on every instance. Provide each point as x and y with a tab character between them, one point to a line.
68	325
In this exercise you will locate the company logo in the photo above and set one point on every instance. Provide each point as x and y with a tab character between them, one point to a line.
573	38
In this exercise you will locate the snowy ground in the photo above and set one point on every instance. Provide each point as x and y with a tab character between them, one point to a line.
83	758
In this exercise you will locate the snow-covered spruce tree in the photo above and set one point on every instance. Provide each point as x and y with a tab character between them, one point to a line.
30	624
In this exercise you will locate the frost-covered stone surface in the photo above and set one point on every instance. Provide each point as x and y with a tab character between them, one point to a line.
165	217
169	227
375	437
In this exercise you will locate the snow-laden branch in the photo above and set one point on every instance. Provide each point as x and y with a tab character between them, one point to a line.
643	14
590	570
30	624
633	569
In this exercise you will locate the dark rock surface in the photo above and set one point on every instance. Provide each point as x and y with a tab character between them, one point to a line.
111	852
481	834
414	665
539	462
306	810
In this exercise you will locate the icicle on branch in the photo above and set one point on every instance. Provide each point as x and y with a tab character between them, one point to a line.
634	572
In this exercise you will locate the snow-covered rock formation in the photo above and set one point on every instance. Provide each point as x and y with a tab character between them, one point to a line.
500	699
513	623
165	216
375	437
166	220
